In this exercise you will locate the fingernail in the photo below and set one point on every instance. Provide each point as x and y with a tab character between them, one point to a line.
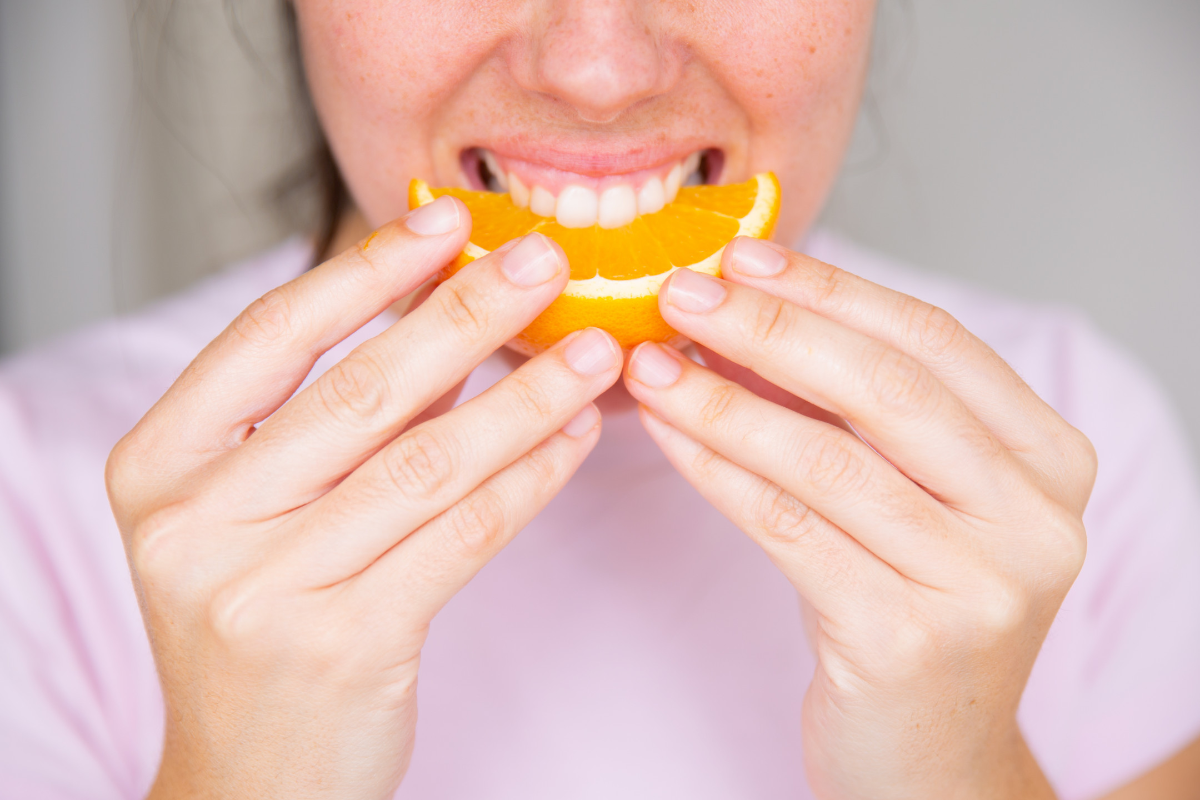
694	292
583	422
592	352
654	366
532	262
754	258
434	219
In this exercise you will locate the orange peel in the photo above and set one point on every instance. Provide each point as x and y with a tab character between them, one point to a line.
616	273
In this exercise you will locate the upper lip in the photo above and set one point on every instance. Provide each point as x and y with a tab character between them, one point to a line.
598	158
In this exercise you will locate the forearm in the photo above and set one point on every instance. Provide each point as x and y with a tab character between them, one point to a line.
1012	774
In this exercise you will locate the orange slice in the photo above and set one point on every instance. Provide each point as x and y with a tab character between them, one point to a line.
616	273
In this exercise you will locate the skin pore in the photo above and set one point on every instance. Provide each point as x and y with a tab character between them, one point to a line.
290	552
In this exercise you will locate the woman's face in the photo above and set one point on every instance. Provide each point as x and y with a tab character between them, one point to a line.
592	94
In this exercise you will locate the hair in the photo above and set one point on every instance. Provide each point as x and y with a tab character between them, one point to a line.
333	197
225	130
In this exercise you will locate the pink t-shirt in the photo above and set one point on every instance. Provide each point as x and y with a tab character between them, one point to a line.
631	642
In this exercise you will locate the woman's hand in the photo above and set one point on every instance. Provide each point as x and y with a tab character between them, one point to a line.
932	553
288	573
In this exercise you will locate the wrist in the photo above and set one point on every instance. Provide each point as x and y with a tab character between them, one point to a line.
1010	772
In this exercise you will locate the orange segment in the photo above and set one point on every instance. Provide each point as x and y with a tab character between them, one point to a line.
631	320
734	200
579	244
691	234
493	217
616	273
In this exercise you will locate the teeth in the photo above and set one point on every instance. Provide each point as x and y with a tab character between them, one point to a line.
518	190
577	207
618	206
541	202
651	197
493	167
691	171
671	184
580	207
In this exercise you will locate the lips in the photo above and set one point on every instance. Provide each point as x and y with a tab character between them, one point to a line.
578	200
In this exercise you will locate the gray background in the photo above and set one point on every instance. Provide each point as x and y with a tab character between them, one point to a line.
1048	150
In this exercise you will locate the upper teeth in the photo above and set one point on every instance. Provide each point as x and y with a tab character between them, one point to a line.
580	206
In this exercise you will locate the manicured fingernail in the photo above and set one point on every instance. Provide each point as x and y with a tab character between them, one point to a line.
583	422
440	216
532	262
694	292
654	366
754	258
592	352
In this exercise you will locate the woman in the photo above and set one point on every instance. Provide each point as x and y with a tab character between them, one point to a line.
306	508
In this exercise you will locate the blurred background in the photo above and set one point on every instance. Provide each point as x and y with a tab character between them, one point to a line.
1049	151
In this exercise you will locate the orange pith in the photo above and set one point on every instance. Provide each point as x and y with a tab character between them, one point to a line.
616	273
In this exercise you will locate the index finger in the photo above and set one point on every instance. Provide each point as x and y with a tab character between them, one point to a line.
964	364
261	358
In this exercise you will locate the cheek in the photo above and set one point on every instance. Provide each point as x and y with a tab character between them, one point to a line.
380	74
797	70
796	62
391	57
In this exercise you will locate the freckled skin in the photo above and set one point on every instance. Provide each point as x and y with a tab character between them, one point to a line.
402	87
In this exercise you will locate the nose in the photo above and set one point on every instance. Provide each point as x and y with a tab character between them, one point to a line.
598	56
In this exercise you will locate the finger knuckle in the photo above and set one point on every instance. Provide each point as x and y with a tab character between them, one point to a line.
1082	456
899	382
157	545
707	465
367	262
934	330
266	321
1065	537
122	477
718	404
545	466
913	642
237	613
772	323
831	288
461	304
908	510
1001	607
782	518
419	464
830	464
355	390
531	396
477	523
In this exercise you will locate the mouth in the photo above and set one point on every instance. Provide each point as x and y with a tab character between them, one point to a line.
580	200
